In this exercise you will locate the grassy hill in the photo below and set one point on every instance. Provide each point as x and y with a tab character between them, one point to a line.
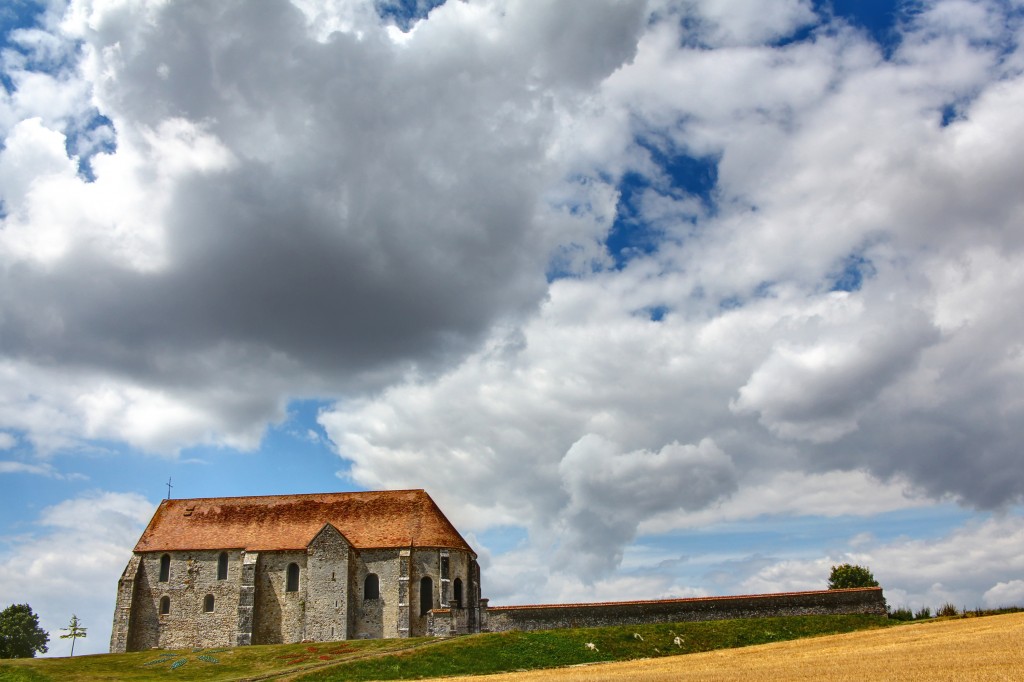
424	657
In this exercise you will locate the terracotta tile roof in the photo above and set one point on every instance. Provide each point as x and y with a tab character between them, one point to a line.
381	519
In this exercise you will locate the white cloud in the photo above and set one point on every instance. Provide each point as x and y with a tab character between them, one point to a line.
345	214
967	568
795	494
42	469
739	22
72	564
814	388
834	164
7	441
1003	594
25	468
611	491
260	233
82	406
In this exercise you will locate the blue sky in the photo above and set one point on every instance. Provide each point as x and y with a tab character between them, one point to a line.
656	299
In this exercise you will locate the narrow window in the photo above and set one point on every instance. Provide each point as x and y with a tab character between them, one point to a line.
444	567
457	587
371	587
292	584
165	568
426	595
222	566
208	603
165	605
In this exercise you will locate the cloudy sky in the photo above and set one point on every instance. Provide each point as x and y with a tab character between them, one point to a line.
656	299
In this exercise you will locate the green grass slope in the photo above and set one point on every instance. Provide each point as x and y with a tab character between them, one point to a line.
494	653
423	658
235	663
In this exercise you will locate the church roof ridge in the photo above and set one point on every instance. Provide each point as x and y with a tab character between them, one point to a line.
283	495
369	519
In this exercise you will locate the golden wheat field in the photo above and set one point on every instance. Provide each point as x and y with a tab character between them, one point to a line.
990	648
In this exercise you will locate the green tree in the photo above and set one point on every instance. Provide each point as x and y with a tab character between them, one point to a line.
846	576
20	634
74	630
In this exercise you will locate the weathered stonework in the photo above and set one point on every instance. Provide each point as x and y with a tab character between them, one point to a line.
246	598
279	614
201	610
372	618
547	617
328	587
123	610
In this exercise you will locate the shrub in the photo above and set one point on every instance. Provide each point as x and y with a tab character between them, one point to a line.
925	612
846	576
948	610
902	613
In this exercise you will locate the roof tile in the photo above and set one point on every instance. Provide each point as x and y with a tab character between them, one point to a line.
369	520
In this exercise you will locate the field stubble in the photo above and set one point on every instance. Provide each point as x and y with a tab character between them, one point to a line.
990	648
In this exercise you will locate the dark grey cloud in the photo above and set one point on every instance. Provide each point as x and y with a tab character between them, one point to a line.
373	206
610	492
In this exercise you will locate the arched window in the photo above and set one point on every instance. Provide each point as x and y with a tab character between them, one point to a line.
208	603
165	605
222	566
165	568
371	587
426	595
457	597
292	584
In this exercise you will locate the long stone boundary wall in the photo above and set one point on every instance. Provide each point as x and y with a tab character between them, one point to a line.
547	617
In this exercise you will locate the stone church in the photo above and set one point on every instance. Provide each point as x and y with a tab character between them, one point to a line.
228	571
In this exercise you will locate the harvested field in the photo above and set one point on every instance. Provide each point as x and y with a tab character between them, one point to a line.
990	648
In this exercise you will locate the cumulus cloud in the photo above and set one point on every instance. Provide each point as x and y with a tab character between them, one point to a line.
742	22
586	271
814	389
318	217
67	565
838	311
1003	594
611	491
797	494
962	568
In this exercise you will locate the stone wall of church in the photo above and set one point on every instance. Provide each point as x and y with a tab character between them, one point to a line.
375	618
279	615
123	607
192	577
329	604
328	587
443	568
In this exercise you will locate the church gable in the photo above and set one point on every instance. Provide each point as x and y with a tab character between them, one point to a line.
328	585
329	540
